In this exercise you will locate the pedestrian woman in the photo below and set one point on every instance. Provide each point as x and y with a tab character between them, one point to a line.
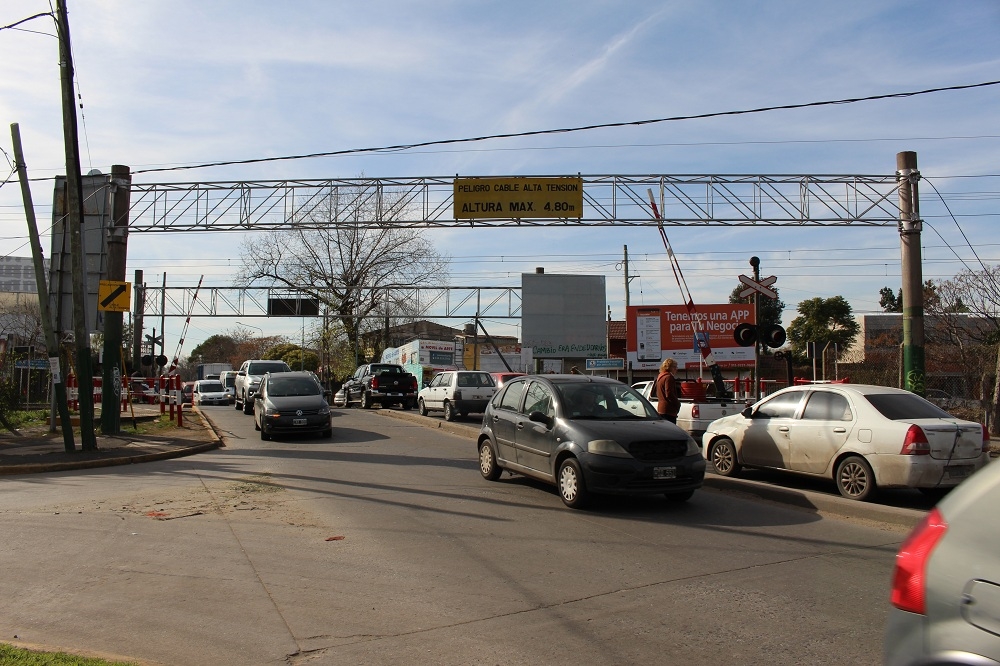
668	397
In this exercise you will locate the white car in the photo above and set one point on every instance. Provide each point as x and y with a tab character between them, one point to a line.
863	437
209	392
457	392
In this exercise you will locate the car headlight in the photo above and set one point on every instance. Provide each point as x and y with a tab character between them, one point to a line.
694	448
607	447
324	410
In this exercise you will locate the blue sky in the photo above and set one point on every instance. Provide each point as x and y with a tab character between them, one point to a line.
171	82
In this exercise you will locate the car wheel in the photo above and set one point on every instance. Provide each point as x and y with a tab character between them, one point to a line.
406	404
572	488
256	426
237	404
449	411
421	407
724	458
247	407
366	402
488	466
680	497
855	479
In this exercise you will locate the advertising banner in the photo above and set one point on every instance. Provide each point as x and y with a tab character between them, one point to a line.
656	332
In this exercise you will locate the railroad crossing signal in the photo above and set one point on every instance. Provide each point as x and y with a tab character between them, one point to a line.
759	287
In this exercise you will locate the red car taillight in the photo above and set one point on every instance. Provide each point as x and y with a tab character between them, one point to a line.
915	443
695	412
413	383
986	438
374	382
909	578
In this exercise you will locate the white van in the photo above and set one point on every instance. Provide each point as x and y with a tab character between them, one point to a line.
228	379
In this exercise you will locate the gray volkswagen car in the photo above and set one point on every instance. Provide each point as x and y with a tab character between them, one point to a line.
291	403
586	435
946	583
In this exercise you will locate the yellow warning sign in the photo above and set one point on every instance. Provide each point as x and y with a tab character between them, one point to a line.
515	198
113	296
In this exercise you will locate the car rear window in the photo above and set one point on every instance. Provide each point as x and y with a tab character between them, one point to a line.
210	387
387	370
262	368
897	406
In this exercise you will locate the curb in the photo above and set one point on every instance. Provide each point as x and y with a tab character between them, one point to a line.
801	499
179	452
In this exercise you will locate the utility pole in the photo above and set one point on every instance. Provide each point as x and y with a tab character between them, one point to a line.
755	263
138	307
74	210
113	368
51	341
910	226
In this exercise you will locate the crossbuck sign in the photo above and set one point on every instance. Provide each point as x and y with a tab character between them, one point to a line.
759	287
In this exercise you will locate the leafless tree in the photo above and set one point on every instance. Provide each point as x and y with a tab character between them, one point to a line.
351	255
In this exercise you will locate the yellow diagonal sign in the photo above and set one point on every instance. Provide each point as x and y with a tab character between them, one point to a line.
114	296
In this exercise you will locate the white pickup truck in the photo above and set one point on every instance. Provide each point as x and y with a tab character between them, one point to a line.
695	415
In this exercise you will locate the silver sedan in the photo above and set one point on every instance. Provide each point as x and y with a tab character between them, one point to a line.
862	437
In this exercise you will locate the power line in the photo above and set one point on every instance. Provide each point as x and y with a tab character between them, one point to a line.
567	130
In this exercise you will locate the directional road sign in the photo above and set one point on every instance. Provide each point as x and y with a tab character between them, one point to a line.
759	287
113	296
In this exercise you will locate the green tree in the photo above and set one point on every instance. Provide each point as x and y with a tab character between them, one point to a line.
823	320
889	301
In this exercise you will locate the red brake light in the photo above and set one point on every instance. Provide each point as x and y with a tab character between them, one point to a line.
695	412
909	583
915	443
375	382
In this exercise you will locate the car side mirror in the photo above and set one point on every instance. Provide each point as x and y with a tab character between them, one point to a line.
747	413
539	417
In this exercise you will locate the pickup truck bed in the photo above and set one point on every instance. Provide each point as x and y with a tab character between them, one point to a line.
694	416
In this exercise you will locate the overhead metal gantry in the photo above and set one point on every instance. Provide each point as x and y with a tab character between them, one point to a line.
459	303
610	200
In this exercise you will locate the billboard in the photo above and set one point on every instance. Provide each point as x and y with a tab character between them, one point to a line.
656	332
564	316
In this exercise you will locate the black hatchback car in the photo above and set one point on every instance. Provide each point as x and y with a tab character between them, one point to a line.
586	435
290	403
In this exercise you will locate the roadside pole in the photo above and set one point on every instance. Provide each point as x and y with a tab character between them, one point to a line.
114	373
910	226
51	342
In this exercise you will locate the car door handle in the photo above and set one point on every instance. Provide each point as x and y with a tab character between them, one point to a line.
520	425
840	429
782	428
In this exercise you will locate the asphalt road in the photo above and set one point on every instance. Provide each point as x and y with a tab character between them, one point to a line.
384	545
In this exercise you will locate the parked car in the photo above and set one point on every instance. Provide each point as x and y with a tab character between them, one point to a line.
210	392
586	434
248	379
946	582
457	392
501	378
289	403
862	437
187	393
228	379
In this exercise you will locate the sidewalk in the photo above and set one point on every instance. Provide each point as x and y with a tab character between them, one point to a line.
38	450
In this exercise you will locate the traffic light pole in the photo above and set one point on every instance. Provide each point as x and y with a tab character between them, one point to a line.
755	262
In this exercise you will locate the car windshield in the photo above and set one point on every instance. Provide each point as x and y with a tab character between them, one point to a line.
603	401
211	387
283	387
905	407
262	368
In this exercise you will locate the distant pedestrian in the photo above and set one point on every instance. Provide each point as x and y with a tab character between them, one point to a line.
668	398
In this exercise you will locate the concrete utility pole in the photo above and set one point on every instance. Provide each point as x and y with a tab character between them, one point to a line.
113	371
51	341
910	226
74	210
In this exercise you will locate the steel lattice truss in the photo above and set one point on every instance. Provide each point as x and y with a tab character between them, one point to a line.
462	303
693	200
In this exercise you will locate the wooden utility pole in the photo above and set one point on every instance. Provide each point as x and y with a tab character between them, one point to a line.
51	341
910	226
113	370
74	211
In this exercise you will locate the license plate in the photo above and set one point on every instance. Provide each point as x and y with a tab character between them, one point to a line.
299	421
664	472
958	471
